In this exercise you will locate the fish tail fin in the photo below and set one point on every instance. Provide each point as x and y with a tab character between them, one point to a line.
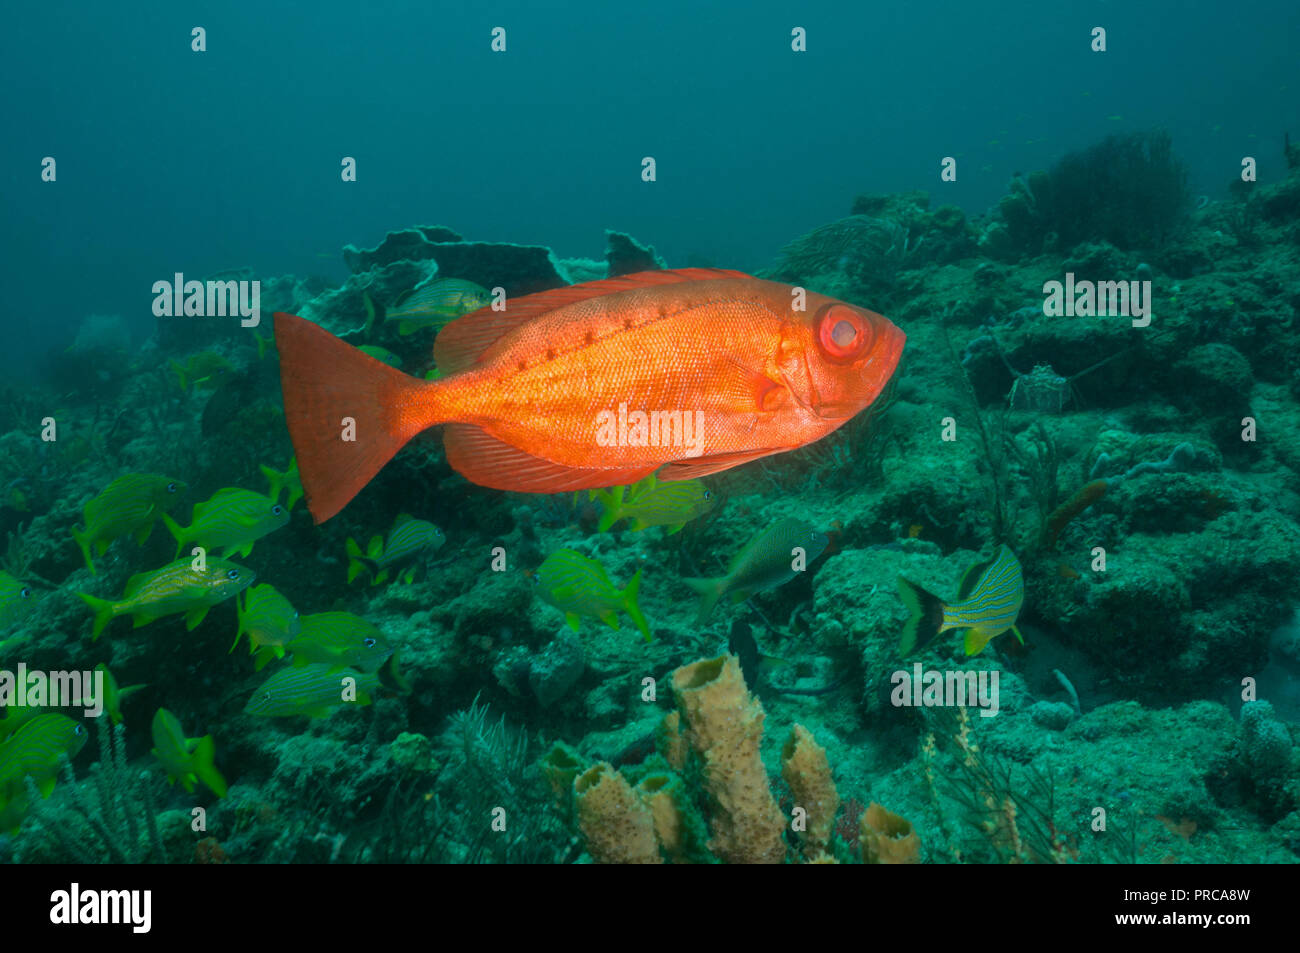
612	501
348	414
274	480
633	609
203	764
925	617
391	677
181	378
83	540
710	591
357	563
174	528
103	610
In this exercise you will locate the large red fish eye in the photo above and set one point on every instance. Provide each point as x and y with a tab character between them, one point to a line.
842	333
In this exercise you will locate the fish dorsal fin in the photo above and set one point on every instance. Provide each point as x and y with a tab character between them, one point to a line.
703	466
463	341
134	584
482	458
970	579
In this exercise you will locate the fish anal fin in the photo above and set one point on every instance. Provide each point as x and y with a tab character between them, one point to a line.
716	463
460	344
483	459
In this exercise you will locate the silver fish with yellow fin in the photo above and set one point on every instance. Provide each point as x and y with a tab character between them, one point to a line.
770	559
178	587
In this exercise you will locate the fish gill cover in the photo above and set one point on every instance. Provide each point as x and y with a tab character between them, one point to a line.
966	413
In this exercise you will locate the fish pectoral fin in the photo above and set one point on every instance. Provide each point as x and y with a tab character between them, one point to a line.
195	616
488	461
695	467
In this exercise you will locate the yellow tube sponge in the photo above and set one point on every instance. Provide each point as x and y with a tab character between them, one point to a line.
806	770
619	829
560	766
887	838
659	792
724	724
671	743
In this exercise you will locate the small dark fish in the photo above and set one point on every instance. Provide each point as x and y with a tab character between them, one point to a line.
771	558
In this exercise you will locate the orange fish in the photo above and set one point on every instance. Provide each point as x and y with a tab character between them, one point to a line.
595	385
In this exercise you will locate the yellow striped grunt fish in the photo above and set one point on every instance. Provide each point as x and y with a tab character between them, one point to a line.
578	587
16	602
436	303
407	539
186	759
317	691
651	502
207	368
131	504
112	698
34	751
270	621
175	588
231	521
988	603
340	639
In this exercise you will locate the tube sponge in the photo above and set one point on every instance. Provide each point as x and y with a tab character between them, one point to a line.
682	833
560	766
669	739
724	724
887	838
806	770
619	829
